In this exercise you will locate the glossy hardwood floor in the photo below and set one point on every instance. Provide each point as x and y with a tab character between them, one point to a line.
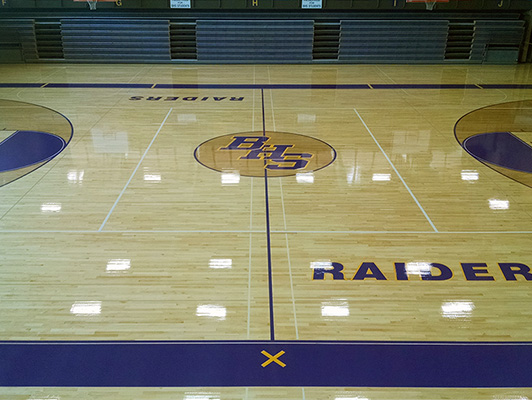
126	236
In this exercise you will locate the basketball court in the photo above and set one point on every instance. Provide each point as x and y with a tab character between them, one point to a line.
260	232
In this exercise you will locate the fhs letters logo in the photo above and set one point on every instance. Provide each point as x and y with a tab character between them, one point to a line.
275	156
257	153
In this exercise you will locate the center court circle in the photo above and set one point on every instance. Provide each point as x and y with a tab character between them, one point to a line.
259	154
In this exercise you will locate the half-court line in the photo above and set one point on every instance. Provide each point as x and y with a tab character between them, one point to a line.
268	235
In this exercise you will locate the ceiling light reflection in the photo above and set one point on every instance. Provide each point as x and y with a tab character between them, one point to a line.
230	178
469	175
152	177
212	311
334	309
418	268
50	207
321	265
306	118
118	265
305	177
496	204
353	175
220	263
351	398
381	177
105	142
457	309
186	118
202	396
86	308
44	398
75	176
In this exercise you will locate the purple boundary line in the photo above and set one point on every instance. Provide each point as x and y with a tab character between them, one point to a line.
375	86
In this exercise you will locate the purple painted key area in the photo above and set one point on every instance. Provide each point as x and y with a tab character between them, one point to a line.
25	148
502	149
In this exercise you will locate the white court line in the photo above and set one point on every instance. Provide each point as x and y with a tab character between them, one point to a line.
289	263
397	172
386	75
135	171
142	69
394	82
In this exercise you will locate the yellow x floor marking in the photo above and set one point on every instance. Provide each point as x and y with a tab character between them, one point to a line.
271	359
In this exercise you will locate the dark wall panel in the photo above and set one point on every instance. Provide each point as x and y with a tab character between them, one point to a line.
115	40
276	5
214	40
251	41
499	38
17	37
390	41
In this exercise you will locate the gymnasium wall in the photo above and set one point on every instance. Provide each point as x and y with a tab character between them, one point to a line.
270	5
266	31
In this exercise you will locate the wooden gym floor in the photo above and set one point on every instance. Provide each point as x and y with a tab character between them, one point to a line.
129	234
